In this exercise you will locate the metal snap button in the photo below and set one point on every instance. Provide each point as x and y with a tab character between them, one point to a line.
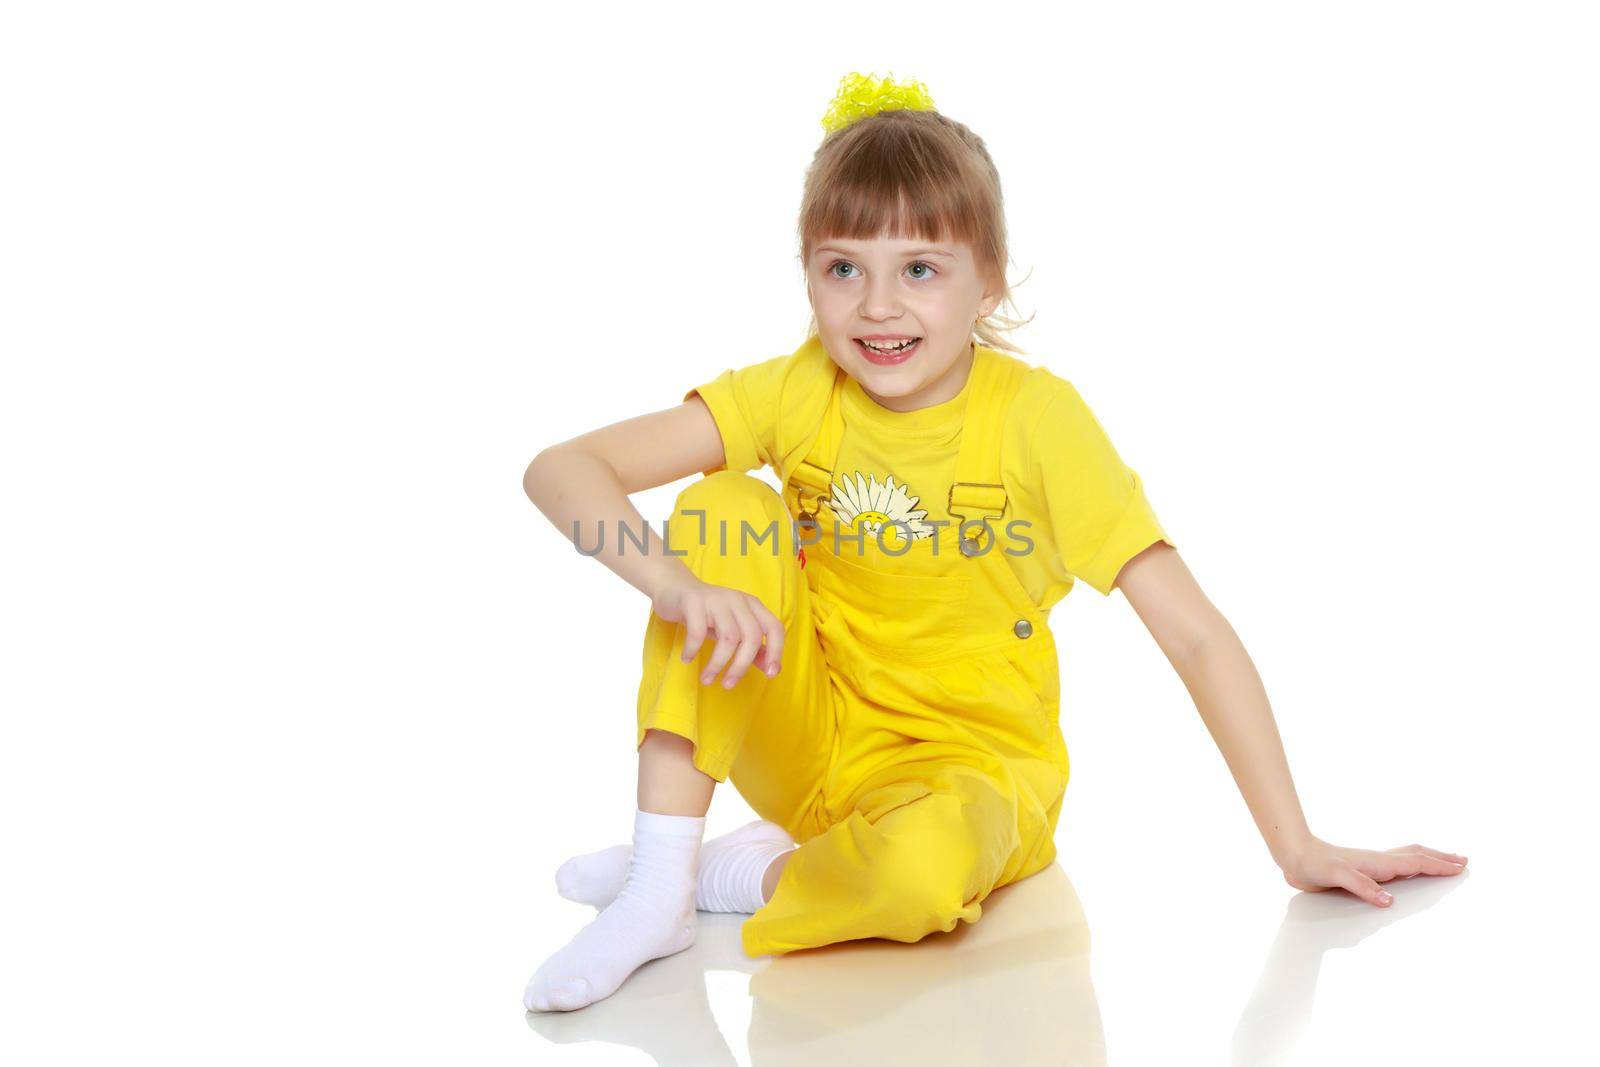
969	546
1023	628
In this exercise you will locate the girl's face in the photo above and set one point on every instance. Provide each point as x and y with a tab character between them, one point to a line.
889	291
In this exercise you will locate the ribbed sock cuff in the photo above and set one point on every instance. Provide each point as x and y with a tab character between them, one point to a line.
651	822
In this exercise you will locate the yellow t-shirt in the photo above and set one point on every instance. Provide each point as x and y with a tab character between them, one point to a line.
1085	510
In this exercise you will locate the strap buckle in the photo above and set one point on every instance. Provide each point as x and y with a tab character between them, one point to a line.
969	544
808	517
806	476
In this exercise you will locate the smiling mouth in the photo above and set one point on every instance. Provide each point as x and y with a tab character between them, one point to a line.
888	352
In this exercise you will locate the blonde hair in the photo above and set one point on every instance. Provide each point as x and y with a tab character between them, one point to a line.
911	173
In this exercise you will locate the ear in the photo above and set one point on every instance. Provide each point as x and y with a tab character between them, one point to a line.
990	300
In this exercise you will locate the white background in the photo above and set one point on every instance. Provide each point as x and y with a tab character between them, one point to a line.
304	702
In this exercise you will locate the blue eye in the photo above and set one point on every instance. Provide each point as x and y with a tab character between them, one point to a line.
918	263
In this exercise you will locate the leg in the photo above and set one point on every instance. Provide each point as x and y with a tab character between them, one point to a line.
669	782
772	736
924	845
689	735
736	871
779	730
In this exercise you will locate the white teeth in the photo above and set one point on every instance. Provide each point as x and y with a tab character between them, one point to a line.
879	346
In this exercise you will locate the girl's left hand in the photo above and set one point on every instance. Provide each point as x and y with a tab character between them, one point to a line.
1318	866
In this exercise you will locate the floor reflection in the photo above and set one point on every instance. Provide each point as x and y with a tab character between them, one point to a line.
1313	924
1012	988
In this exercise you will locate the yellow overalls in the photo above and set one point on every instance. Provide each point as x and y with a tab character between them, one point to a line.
911	743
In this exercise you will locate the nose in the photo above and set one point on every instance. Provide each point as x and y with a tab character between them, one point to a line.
880	300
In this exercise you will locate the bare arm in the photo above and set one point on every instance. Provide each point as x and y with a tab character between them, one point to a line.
1219	674
582	486
583	483
1203	648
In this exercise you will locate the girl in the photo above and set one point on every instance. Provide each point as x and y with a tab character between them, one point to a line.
939	497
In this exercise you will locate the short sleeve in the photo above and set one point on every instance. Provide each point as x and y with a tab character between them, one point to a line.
744	404
1096	508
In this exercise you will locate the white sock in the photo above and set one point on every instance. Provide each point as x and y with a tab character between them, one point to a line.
652	916
732	868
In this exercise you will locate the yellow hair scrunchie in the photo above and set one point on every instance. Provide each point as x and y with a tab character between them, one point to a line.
861	95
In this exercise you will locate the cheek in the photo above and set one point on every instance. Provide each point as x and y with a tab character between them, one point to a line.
820	295
939	320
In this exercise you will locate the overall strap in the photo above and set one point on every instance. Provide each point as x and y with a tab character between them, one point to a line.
813	475
978	495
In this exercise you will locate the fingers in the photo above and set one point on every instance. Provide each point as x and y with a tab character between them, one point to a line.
728	637
1435	853
772	631
1347	876
694	623
743	627
1389	865
1411	864
748	645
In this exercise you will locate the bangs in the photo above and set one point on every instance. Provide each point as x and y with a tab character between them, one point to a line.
893	186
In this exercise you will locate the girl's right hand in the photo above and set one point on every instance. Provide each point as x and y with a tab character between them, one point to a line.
736	619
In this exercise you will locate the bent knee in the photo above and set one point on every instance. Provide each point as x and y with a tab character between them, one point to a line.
933	865
731	492
729	509
945	849
922	901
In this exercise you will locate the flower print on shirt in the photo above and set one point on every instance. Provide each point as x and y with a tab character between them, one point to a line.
868	504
